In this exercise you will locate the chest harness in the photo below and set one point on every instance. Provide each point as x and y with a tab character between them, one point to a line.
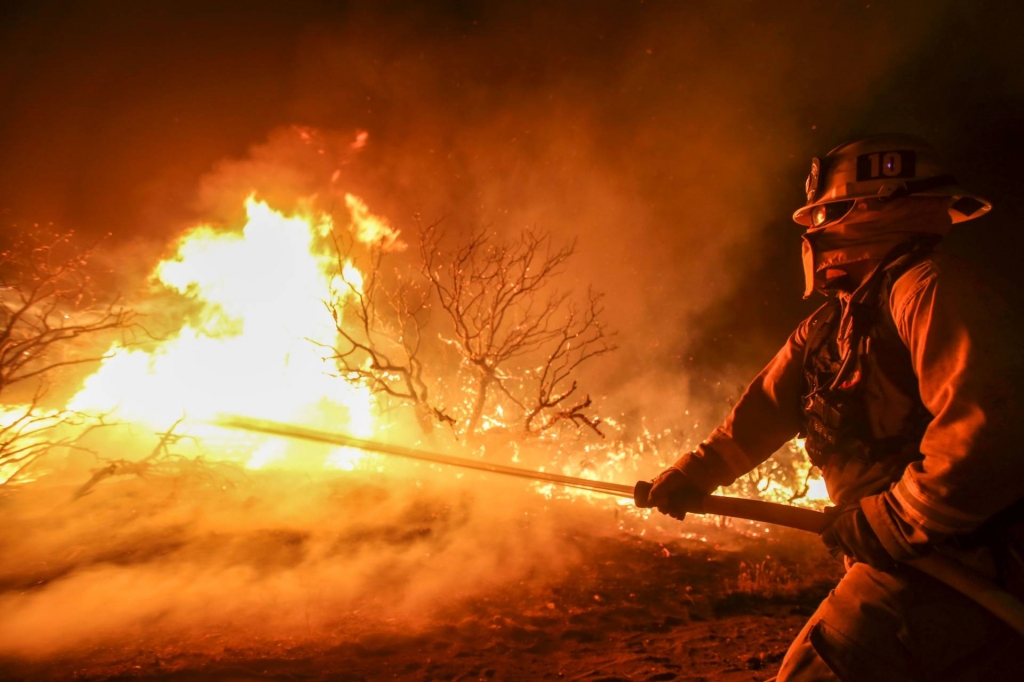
860	394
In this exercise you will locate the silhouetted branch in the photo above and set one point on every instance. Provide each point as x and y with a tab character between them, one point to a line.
50	314
381	332
502	305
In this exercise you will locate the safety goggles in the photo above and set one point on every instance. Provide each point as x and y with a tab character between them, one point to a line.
831	212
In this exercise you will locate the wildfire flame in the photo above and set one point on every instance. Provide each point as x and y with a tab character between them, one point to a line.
257	346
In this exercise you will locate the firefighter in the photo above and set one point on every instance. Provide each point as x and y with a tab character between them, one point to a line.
904	384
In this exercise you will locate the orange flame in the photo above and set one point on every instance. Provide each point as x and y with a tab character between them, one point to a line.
257	347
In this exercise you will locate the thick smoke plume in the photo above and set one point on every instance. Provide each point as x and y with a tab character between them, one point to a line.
670	139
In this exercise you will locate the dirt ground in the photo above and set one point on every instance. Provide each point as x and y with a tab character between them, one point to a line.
720	607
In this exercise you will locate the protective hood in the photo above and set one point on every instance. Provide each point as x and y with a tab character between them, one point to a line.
869	234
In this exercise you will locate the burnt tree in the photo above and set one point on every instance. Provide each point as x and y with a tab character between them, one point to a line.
579	337
50	315
506	314
381	331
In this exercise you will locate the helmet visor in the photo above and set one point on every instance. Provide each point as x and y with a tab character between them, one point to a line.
829	213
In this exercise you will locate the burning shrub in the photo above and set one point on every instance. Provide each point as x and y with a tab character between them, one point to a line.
503	306
51	317
380	326
788	478
518	339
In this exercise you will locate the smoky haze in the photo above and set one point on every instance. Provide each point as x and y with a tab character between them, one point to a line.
669	139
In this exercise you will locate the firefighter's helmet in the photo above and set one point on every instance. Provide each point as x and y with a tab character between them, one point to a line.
882	167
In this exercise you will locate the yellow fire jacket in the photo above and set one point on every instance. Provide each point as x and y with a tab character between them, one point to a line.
969	370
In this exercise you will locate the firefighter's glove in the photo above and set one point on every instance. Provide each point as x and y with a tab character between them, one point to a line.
674	493
851	535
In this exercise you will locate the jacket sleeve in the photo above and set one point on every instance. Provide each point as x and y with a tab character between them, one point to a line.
968	374
766	416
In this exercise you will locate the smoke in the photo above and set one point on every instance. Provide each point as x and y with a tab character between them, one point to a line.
143	564
670	140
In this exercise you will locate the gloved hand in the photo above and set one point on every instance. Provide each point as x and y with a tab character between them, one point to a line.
674	493
852	536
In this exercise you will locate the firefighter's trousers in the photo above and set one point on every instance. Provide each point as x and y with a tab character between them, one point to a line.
901	626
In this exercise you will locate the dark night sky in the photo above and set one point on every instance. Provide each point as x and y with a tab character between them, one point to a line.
671	138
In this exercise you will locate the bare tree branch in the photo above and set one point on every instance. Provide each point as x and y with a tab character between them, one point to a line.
49	314
47	303
163	461
381	332
29	432
582	337
503	308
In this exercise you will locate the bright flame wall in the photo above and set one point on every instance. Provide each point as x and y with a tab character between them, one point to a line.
260	344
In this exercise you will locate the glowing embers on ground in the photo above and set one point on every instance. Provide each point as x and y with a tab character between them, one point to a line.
254	346
808	491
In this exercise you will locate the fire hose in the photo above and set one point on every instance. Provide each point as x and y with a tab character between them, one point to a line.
952	573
